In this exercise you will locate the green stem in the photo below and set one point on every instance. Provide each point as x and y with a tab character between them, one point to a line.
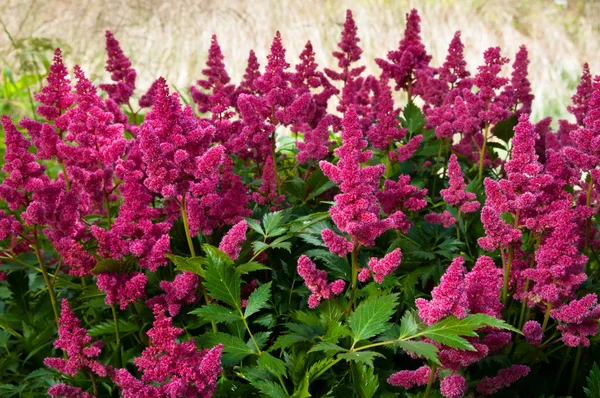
482	153
458	226
430	381
575	368
546	316
275	167
588	222
563	365
118	336
93	379
249	332
446	159
36	248
439	156
354	275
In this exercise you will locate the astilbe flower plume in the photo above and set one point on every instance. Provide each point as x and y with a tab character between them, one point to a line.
64	391
505	377
520	87
231	243
77	344
122	288
532	330
177	293
56	97
444	218
387	130
380	268
356	210
578	320
409	57
582	97
410	378
119	66
316	282
453	386
350	52
171	369
456	195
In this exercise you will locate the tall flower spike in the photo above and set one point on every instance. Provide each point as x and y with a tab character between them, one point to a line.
579	320
582	97
410	378
505	377
349	54
56	97
119	66
232	241
448	298
177	293
456	195
455	67
482	285
316	282
520	83
75	341
409	56
122	289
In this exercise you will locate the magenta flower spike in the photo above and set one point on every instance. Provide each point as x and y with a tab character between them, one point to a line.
56	97
119	66
232	241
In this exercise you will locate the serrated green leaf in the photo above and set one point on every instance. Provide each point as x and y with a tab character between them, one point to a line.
421	349
270	389
272	364
258	299
216	313
255	226
327	347
216	256
234	348
188	264
371	316
365	357
364	380
108	327
222	281
318	184
409	325
258	246
281	245
505	129
593	383
414	119
252	266
338	267
272	221
261	339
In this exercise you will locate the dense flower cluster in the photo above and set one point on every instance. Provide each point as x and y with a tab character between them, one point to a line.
316	282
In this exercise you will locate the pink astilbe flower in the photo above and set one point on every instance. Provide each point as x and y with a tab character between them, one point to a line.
498	232
24	173
400	196
579	320
454	68
335	243
350	52
316	142
532	330
582	97
122	288
409	57
453	386
316	282
147	100
356	210
65	391
455	359
387	130
9	226
505	377
456	195
447	298
380	268
445	218
407	150
267	193
119	66
232	241
75	341
410	378
177	293
252	73
519	83
217	98
483	284
56	97
171	369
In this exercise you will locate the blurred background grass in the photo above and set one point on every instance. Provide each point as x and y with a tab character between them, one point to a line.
171	37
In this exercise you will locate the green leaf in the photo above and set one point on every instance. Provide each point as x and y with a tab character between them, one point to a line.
252	266
364	380
593	383
108	327
222	281
318	183
421	349
270	363
216	256
234	348
505	129
255	226
327	347
216	313
188	264
414	119
270	389
272	221
409	325
365	357
450	329
371	316
258	299
112	265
